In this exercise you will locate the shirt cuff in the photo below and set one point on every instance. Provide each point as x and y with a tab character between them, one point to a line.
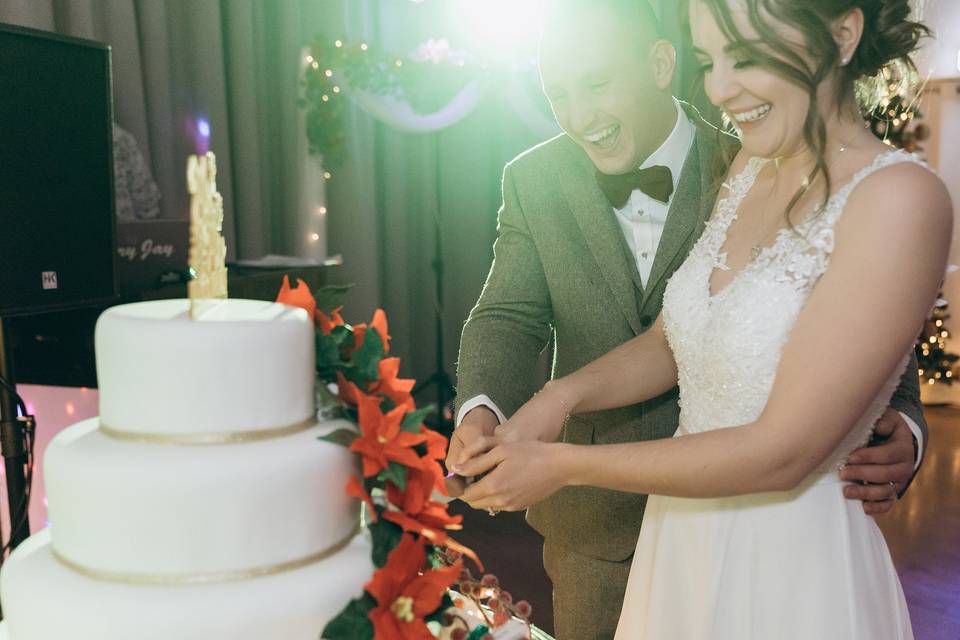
479	401
916	434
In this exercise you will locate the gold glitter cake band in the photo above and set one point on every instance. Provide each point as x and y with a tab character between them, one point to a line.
228	437
205	578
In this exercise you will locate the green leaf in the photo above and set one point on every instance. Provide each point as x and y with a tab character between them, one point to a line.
395	473
353	623
386	536
330	297
478	633
367	358
328	352
412	421
435	557
342	334
343	437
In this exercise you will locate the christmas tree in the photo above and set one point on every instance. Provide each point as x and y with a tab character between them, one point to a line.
893	122
891	119
936	365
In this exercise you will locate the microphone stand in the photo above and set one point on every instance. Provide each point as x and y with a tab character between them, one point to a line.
439	377
13	447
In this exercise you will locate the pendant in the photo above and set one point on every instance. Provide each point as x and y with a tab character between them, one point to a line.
755	252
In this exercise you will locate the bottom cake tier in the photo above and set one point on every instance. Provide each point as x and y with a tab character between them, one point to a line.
44	600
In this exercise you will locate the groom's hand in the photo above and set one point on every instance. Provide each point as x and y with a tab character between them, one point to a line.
881	471
478	424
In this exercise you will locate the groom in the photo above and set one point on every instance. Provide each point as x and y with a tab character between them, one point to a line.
583	254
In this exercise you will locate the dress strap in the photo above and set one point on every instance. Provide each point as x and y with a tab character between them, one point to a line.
838	201
738	186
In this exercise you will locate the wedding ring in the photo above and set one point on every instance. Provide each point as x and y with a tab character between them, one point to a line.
492	512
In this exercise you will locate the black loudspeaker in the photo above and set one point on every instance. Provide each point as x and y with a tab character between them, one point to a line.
57	234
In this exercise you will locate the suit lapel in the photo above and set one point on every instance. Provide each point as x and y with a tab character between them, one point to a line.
691	205
603	234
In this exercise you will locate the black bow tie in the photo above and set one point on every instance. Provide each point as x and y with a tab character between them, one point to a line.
656	182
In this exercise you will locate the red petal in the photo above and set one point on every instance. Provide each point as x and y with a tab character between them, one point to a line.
372	454
327	323
427	590
369	415
356	490
379	323
348	392
299	297
385	624
390	425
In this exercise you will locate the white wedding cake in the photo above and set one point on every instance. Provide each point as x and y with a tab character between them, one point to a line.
200	504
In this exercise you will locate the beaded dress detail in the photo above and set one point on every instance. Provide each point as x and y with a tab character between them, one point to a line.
801	564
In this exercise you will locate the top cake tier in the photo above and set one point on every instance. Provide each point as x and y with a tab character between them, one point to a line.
244	365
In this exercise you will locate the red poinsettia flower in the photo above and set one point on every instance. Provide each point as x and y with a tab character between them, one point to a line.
381	441
328	323
355	490
387	383
379	323
404	595
421	481
432	523
299	297
436	445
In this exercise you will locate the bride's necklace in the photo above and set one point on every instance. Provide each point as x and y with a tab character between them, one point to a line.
758	246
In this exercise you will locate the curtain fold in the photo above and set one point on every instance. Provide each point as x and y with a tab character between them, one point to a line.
236	63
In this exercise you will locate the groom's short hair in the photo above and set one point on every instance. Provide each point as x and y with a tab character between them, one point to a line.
638	14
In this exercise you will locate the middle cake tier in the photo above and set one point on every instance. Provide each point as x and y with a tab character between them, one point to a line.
136	508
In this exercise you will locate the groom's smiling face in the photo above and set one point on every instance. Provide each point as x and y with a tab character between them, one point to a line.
599	73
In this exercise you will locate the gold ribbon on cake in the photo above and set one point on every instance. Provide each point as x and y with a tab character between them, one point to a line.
174	580
223	437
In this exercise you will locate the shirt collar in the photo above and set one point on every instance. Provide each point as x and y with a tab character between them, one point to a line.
673	152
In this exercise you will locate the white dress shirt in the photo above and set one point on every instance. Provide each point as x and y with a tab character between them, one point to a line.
642	221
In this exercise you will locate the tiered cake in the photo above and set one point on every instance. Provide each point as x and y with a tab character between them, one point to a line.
200	504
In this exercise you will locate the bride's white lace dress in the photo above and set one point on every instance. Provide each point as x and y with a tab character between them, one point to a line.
806	564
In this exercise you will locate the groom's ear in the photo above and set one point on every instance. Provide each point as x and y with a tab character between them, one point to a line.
663	57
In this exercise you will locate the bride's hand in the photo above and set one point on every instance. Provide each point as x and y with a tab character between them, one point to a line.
518	474
540	418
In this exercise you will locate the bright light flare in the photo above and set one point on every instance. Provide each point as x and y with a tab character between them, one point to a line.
501	28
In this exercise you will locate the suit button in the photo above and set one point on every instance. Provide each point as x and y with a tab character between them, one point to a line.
646	321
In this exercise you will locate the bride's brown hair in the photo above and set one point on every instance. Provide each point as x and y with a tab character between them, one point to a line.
883	56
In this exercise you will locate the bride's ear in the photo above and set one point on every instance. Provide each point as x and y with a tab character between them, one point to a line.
847	31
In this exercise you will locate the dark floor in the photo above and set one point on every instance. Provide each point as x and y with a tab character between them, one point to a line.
923	532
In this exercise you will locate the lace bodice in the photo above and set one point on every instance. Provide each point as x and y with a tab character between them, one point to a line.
728	346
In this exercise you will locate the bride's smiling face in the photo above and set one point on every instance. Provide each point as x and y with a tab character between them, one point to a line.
768	109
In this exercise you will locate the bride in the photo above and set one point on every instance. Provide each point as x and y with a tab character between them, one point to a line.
787	327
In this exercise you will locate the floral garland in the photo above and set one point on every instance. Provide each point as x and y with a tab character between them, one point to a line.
417	561
426	78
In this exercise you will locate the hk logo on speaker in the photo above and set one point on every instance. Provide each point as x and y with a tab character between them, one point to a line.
49	279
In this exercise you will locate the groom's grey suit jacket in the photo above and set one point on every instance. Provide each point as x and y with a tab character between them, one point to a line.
562	266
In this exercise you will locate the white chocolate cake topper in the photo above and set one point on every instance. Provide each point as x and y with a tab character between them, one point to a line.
208	250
